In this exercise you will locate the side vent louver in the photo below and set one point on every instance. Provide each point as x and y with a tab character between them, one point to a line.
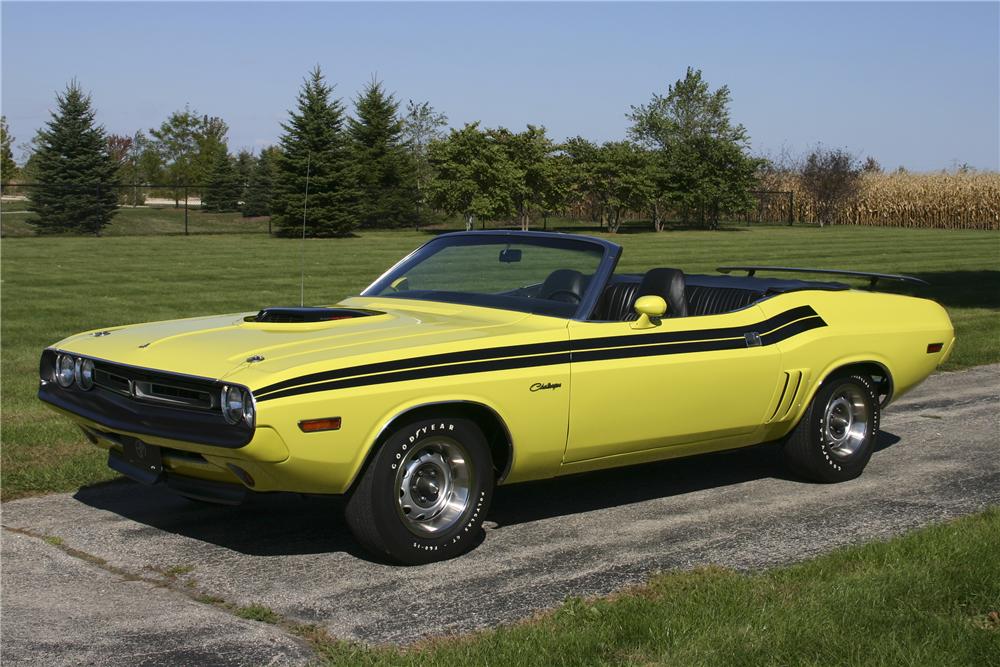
793	382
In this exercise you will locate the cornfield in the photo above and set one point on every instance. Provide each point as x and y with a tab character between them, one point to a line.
953	200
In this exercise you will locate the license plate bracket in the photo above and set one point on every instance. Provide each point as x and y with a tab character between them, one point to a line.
146	457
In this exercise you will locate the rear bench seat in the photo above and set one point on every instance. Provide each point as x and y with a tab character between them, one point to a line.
618	300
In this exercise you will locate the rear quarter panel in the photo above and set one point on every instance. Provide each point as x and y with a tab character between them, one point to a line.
888	329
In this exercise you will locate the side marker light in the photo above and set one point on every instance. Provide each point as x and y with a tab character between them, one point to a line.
325	424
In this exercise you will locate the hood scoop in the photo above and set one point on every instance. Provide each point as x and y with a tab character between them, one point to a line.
307	314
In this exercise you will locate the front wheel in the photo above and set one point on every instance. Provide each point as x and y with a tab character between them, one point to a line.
836	436
425	494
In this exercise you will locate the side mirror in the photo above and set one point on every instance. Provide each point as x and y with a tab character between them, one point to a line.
650	309
400	284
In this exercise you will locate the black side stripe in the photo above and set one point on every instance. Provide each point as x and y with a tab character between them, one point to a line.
424	373
769	324
431	360
777	335
793	329
628	340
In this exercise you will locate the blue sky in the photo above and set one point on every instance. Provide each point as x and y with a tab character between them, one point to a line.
914	84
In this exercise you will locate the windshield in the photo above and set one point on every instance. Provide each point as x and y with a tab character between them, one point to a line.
544	275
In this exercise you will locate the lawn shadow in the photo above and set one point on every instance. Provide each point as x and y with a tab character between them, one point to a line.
958	289
281	524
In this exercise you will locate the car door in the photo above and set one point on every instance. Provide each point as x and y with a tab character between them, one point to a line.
685	380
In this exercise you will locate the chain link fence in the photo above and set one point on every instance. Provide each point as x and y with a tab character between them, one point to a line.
171	209
147	209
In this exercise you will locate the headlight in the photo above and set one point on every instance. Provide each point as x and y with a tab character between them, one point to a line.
85	374
237	406
65	370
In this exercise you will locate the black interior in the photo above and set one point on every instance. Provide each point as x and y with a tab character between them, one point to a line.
685	296
693	295
668	284
564	285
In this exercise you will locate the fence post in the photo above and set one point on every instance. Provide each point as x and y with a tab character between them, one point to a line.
269	226
97	207
185	210
791	207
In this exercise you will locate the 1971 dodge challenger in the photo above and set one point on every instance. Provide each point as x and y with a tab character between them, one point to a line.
487	358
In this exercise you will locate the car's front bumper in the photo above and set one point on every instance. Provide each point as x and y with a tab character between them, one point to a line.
225	493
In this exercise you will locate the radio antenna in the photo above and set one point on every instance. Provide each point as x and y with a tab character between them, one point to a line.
302	258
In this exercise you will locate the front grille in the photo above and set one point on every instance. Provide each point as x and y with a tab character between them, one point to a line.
155	387
166	393
112	381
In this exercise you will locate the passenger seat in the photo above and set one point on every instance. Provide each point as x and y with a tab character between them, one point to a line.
666	283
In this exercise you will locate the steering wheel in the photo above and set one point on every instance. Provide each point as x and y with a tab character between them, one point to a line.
574	298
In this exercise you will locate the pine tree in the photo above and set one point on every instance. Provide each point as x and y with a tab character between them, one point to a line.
261	185
244	164
387	177
74	167
223	188
315	143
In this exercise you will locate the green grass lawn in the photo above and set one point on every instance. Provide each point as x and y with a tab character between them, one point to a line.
56	286
928	598
142	221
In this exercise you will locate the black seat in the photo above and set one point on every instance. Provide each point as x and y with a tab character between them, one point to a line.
716	300
666	283
615	304
564	285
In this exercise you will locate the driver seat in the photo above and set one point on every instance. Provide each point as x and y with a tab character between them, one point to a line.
668	284
563	285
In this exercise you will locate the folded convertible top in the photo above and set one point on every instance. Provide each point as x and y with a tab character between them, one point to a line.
872	277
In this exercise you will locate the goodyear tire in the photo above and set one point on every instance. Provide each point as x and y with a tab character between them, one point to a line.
836	436
425	494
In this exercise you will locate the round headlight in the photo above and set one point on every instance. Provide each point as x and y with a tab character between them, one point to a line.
249	413
85	374
65	370
237	406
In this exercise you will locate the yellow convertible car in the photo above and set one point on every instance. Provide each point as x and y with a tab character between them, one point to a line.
487	358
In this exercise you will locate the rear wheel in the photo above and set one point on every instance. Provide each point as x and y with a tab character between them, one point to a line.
425	494
836	436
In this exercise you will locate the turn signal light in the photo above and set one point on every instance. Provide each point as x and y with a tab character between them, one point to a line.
325	424
934	347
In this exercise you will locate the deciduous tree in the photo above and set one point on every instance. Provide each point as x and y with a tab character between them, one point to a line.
8	168
703	156
473	177
176	141
422	125
832	177
620	178
528	156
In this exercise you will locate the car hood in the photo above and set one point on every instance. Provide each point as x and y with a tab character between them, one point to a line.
222	346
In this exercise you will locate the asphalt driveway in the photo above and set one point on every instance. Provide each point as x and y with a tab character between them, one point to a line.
113	574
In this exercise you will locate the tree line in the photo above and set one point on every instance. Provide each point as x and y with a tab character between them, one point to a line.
387	167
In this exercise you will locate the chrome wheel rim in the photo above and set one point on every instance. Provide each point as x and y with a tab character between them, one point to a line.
433	484
846	421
